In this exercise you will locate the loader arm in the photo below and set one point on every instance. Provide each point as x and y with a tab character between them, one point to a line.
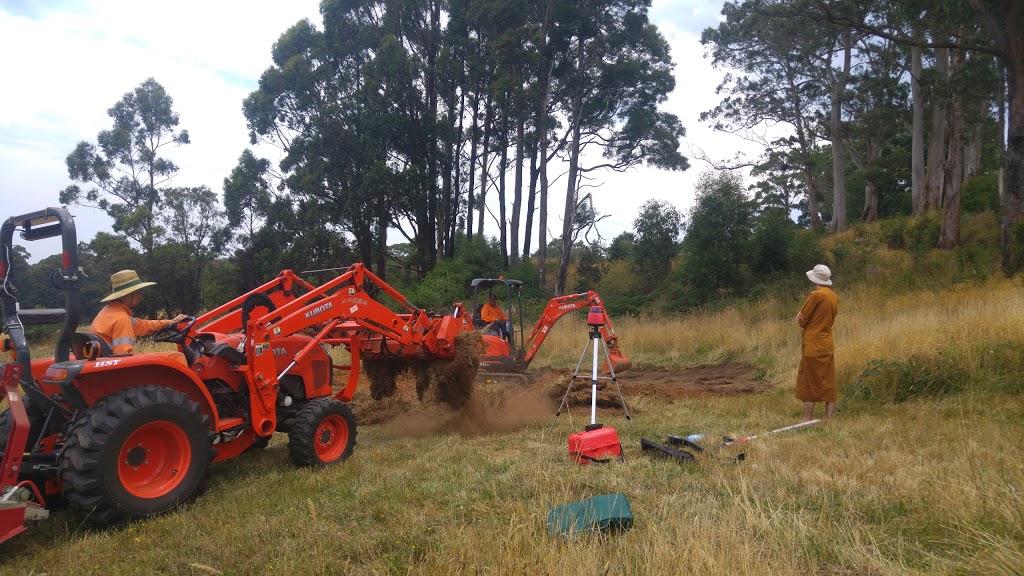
343	311
562	305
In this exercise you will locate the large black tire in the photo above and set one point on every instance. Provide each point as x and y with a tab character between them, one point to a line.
36	419
136	453
324	433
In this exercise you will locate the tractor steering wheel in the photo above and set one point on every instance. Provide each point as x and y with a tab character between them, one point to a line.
175	333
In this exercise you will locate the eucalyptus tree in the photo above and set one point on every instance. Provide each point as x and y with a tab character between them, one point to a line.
248	196
613	69
877	106
1001	24
653	243
127	174
353	109
191	218
769	86
791	70
718	235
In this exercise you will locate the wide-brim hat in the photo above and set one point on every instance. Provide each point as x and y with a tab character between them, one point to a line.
124	283
820	274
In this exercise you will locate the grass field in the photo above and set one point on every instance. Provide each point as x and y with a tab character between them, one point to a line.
931	484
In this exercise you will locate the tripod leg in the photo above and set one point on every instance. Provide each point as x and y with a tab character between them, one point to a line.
611	371
569	388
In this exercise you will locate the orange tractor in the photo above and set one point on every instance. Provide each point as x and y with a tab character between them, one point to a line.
512	356
125	437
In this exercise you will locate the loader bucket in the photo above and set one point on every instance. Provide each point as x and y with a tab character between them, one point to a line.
619	361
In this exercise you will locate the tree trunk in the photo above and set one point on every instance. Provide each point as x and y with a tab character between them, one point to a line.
484	168
457	177
949	230
836	125
1013	189
542	129
1004	22
805	152
531	202
502	168
474	133
569	217
432	230
870	211
917	194
517	192
937	143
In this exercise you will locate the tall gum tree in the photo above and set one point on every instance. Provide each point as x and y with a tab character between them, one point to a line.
127	173
613	69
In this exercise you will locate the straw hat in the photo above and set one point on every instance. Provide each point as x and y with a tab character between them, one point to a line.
820	275
124	283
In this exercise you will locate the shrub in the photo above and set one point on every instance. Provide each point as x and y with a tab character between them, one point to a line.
893	233
981	193
923	233
920	376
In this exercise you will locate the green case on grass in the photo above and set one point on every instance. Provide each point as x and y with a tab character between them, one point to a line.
607	512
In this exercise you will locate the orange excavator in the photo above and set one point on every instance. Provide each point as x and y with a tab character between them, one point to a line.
130	436
512	355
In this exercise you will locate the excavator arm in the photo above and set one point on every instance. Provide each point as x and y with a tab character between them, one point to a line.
562	305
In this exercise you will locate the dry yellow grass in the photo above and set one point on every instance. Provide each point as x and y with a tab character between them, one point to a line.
924	487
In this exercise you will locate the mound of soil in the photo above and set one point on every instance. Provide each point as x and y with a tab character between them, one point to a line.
495	404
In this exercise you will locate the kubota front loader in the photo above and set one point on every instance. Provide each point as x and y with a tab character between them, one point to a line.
122	437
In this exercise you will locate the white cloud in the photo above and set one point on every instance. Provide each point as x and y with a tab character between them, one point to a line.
65	66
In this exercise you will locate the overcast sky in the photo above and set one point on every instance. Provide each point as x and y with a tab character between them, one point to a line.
66	62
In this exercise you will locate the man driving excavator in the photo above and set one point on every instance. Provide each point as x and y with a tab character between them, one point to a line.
115	323
492	314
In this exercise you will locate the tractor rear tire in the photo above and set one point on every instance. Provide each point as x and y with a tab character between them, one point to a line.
324	433
136	453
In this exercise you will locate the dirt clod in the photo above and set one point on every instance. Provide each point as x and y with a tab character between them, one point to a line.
453	380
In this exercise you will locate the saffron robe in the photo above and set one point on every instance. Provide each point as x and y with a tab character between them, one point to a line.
816	377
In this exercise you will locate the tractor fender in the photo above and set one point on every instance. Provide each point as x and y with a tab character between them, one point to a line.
87	381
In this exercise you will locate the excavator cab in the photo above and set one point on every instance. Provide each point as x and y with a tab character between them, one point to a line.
500	354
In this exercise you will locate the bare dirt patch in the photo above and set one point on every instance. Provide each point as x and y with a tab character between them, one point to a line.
504	404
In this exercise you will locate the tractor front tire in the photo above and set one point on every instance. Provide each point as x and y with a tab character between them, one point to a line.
324	433
136	453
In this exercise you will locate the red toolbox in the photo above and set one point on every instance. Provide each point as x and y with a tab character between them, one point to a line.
600	445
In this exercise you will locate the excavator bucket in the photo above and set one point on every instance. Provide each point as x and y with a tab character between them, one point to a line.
619	361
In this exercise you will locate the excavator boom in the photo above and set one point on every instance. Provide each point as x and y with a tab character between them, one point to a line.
562	305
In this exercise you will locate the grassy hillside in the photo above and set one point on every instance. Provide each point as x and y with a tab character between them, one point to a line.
919	473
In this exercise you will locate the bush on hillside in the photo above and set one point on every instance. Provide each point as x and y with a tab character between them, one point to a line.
983	366
980	194
895	381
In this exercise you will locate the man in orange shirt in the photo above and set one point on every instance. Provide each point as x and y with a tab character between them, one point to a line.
816	377
115	323
492	314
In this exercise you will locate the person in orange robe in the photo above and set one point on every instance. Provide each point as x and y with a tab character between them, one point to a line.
115	323
816	377
492	313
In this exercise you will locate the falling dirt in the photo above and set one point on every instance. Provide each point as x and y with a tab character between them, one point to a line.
451	380
496	404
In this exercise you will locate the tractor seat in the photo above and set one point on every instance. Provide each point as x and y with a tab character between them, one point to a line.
478	322
227	352
83	345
